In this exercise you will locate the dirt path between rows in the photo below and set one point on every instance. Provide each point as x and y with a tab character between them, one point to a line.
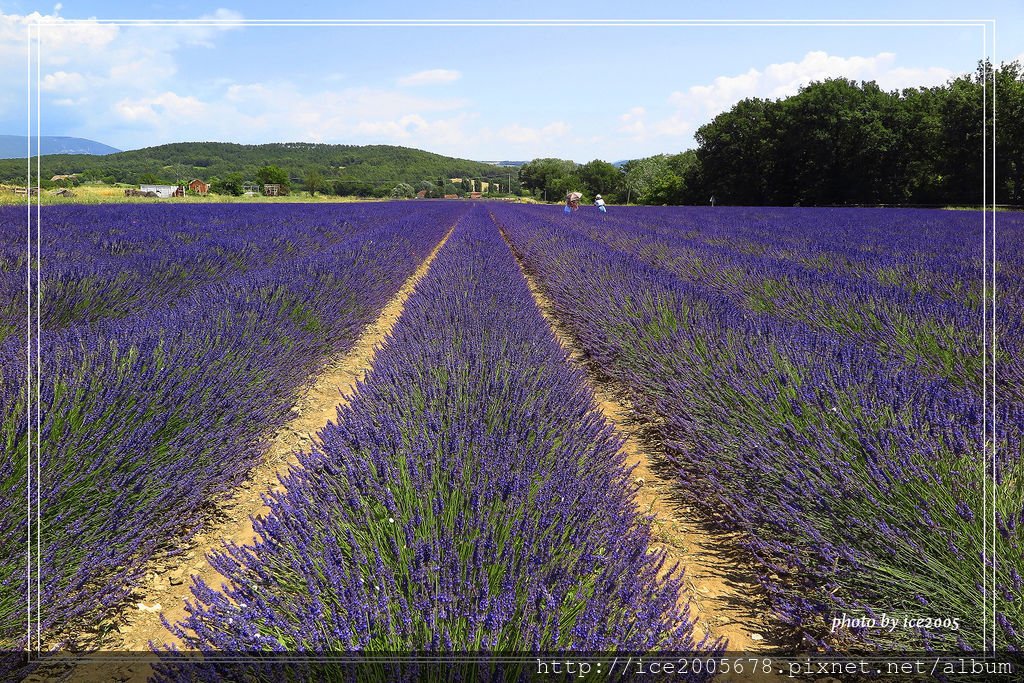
725	594
166	586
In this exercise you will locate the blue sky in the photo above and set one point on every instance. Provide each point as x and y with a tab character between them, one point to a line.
481	92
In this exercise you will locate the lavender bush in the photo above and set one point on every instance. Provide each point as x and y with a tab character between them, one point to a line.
156	400
908	283
469	498
856	473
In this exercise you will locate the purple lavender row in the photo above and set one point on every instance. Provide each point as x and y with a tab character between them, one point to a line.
857	482
148	417
924	315
113	261
470	498
947	246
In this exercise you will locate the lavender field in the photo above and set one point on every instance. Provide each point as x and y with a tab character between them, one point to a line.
812	378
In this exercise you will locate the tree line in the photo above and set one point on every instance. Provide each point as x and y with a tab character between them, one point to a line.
834	142
364	170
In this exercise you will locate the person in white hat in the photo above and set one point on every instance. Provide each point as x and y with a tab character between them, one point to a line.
599	203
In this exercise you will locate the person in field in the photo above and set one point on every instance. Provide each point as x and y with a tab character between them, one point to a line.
572	201
599	203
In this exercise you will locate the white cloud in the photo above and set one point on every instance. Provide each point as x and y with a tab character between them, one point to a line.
698	104
228	16
518	134
222	20
673	126
165	106
64	82
61	40
430	77
95	64
633	122
257	112
785	79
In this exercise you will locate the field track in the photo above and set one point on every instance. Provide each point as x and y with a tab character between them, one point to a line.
496	426
314	409
724	594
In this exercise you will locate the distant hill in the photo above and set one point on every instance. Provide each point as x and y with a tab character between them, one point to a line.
13	146
376	165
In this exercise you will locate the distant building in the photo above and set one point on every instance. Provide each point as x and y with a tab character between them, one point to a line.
271	189
472	184
199	187
250	188
421	194
451	196
474	195
70	176
164	191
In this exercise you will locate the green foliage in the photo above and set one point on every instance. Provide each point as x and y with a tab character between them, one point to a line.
403	191
231	184
314	181
549	178
272	175
661	179
600	177
430	188
363	169
842	142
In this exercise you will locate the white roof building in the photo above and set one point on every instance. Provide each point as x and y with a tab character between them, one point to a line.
163	191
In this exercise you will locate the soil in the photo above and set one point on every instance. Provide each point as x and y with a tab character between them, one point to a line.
723	592
723	589
166	586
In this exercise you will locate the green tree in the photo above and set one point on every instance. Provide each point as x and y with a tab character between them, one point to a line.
563	185
428	187
668	183
314	181
640	177
600	177
733	149
1009	111
403	191
272	175
231	184
548	177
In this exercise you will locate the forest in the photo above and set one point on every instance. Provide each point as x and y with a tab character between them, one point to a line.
836	142
370	170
